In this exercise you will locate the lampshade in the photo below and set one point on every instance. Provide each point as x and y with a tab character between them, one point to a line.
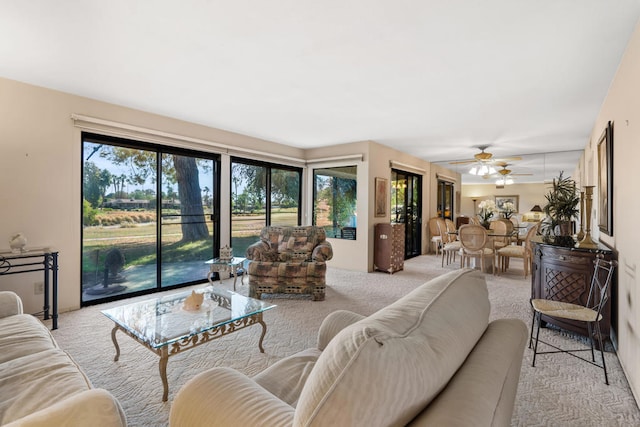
536	208
482	170
504	181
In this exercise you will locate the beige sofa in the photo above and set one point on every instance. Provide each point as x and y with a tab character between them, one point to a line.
40	385
430	358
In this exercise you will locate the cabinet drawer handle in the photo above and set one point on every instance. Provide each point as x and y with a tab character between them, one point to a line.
562	258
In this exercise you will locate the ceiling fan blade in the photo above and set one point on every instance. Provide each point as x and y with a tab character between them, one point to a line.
463	162
521	174
508	159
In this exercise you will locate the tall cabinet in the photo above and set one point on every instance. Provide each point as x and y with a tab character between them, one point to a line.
388	247
564	274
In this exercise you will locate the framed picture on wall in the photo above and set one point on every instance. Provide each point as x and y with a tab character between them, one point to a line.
605	181
381	189
501	200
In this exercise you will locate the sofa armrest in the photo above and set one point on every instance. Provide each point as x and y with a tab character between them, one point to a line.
334	323
322	252
10	304
96	408
260	251
237	401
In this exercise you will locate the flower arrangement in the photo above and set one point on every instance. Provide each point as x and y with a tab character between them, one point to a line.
487	209
508	209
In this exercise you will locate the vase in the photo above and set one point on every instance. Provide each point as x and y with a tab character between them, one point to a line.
486	224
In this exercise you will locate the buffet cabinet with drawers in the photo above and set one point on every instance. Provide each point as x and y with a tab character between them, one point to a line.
564	274
388	247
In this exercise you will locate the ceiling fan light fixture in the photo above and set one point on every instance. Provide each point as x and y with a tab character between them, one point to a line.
473	170
504	181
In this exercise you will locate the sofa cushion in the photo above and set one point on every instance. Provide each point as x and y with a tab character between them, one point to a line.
37	372
21	335
483	390
398	359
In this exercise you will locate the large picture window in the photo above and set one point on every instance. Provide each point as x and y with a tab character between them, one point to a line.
334	201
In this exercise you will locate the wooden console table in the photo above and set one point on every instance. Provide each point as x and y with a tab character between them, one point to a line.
36	259
564	274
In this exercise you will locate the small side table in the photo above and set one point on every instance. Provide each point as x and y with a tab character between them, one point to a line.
36	259
233	265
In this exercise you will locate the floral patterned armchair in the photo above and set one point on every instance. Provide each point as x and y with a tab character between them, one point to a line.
289	260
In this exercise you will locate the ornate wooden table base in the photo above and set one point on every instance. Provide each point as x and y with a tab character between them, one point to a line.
222	313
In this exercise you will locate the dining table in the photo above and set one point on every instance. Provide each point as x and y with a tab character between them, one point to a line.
491	240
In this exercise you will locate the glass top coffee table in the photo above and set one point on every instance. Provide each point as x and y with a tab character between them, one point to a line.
164	326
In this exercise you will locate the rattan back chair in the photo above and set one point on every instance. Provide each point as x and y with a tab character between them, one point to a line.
473	239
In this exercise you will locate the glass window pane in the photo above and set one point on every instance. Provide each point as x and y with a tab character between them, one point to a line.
118	220
248	205
334	204
186	226
285	197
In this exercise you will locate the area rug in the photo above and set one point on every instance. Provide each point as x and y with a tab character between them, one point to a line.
559	391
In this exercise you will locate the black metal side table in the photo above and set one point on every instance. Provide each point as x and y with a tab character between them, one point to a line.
36	259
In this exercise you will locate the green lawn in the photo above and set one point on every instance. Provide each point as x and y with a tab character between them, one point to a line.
137	241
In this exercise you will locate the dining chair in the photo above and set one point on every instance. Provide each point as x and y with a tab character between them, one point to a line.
518	236
518	251
451	243
589	312
473	239
474	221
502	228
434	232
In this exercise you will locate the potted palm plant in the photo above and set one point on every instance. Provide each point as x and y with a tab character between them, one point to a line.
562	207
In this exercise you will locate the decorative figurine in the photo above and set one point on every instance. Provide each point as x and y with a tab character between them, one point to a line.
17	242
226	253
193	302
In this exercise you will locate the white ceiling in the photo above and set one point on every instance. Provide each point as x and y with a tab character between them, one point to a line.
432	78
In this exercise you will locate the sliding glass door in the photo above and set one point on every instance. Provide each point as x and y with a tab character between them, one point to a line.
445	199
148	217
406	208
186	219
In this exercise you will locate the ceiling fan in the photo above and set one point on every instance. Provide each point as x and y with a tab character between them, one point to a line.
483	162
506	176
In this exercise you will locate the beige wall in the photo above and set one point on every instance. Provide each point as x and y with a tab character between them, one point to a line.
622	106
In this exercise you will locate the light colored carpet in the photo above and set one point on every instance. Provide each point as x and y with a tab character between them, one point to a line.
560	390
